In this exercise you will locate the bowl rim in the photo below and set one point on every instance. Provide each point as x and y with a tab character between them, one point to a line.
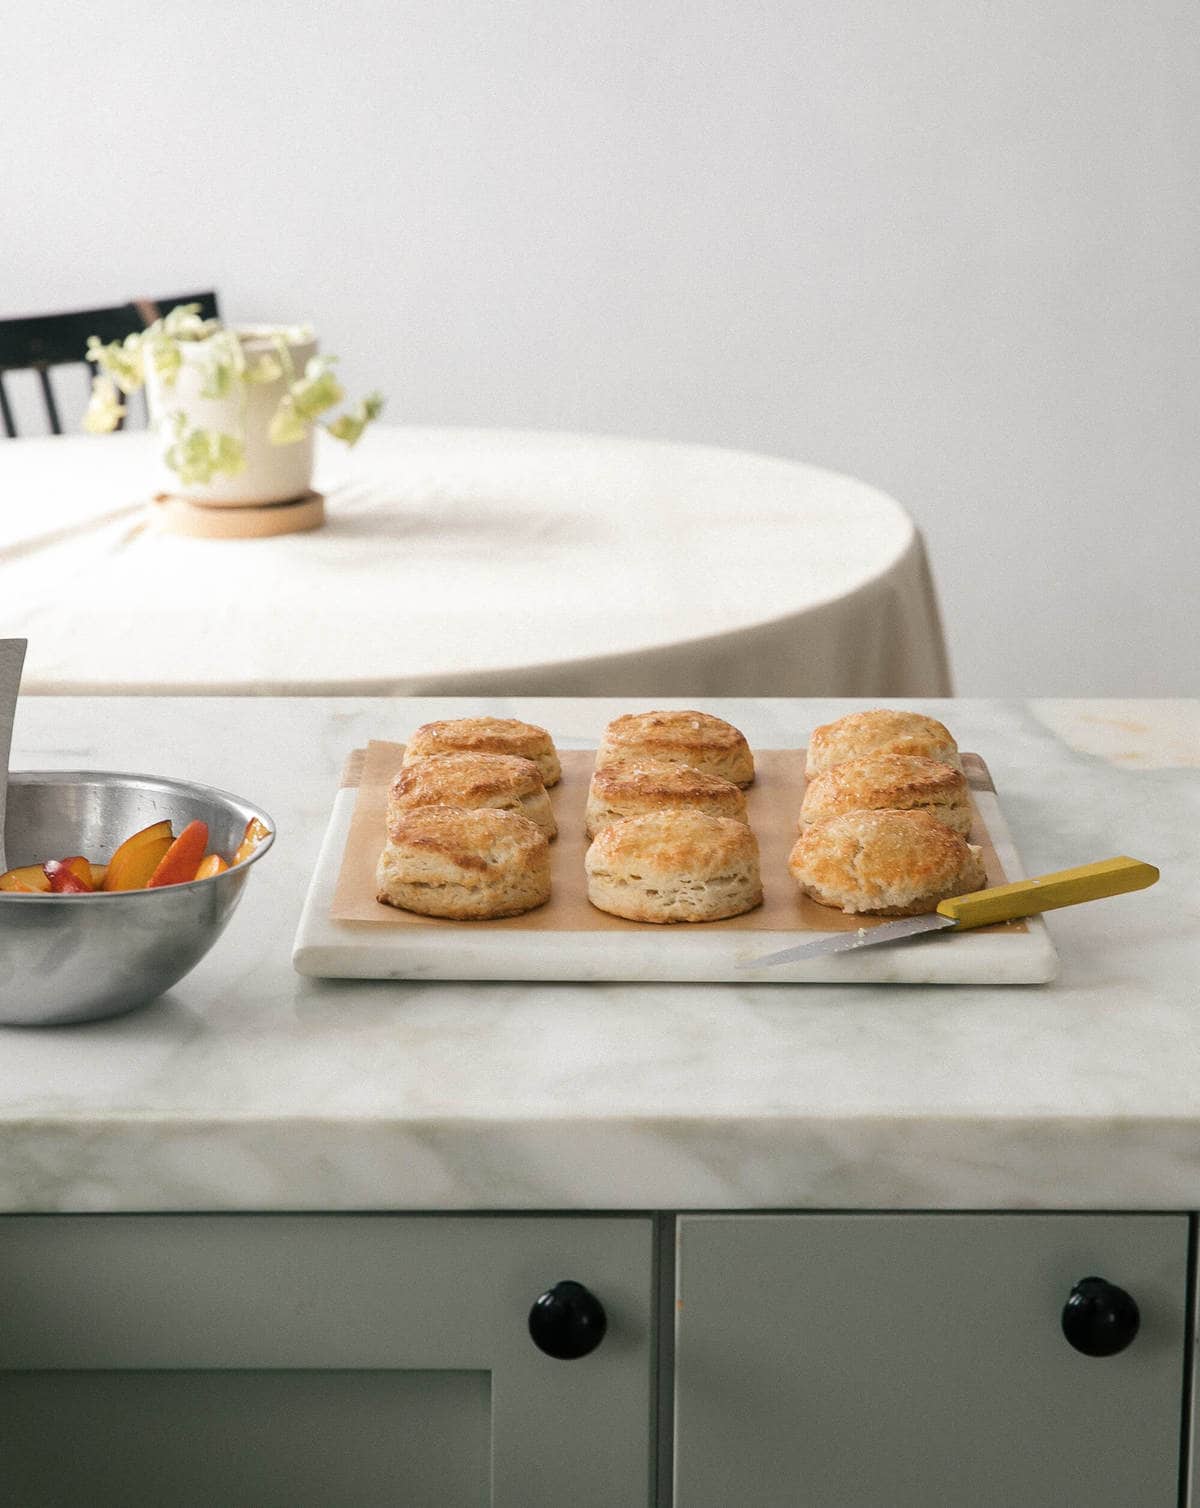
188	787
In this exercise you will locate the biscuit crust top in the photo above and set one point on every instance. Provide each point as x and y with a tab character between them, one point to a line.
464	779
882	731
668	844
656	780
480	735
479	840
694	738
674	731
883	780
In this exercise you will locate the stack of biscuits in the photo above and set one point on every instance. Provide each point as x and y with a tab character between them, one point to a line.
666	814
469	822
885	816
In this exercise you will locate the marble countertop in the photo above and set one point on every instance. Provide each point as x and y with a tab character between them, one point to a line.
248	1087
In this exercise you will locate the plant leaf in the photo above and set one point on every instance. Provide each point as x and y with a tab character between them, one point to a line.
104	408
318	390
198	455
286	427
265	369
121	360
223	362
348	427
183	322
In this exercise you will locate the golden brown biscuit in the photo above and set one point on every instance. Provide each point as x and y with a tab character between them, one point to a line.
622	790
674	866
884	863
697	739
487	735
881	731
503	781
467	865
901	782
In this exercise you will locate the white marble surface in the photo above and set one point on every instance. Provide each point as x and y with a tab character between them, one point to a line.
248	1087
328	949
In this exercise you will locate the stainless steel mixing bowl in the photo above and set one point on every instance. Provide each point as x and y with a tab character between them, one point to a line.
79	957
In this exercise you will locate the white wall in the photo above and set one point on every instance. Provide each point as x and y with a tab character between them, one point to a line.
949	246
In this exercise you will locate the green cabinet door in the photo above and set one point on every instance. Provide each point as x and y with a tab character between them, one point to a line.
299	1361
919	1361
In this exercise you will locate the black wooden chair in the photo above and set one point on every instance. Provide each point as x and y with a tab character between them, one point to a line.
38	342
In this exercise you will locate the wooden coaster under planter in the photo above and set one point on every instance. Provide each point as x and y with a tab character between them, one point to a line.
254	522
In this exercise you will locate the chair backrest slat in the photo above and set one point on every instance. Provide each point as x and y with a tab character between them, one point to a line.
48	399
42	341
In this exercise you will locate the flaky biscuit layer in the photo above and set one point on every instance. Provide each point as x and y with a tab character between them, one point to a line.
884	863
620	790
889	781
674	866
487	735
697	739
506	782
464	864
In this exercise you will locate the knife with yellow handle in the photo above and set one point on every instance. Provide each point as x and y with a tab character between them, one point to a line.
1003	903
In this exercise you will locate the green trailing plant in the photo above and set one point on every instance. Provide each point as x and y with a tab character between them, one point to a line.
195	454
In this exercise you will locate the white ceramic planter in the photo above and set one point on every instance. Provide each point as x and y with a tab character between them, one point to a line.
273	473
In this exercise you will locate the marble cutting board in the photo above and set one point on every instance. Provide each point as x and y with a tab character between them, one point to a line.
570	941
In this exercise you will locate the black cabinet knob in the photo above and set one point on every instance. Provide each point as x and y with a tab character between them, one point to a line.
1099	1318
567	1321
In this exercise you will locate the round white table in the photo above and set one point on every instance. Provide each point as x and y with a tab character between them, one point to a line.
474	562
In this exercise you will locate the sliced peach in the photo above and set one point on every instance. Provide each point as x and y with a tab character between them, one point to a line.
255	832
69	876
28	877
149	834
179	864
138	857
78	866
98	873
211	864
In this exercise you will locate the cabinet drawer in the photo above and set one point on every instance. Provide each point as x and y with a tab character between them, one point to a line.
310	1359
903	1361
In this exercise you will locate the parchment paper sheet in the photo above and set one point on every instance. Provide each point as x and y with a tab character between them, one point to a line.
773	803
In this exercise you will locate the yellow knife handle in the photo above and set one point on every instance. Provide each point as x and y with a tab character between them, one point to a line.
1089	882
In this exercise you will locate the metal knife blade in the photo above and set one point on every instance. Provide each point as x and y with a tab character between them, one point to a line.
843	942
12	658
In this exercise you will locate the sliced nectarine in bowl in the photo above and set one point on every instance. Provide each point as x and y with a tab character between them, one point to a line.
256	833
179	864
77	940
147	860
135	860
69	876
30	879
